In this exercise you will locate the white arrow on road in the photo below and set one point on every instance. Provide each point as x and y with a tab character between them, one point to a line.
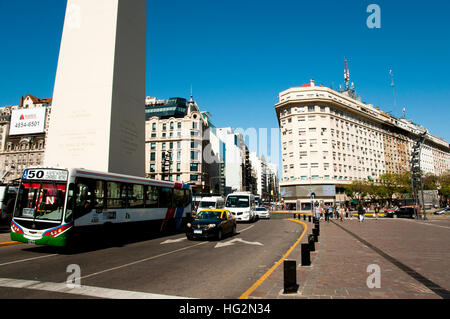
171	241
232	242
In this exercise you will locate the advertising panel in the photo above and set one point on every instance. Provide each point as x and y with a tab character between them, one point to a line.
28	121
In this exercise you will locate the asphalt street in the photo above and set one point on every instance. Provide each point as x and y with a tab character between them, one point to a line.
171	266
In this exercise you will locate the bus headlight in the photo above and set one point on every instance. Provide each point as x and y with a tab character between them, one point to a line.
188	225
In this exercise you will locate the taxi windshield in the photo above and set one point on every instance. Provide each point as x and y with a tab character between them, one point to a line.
208	215
43	201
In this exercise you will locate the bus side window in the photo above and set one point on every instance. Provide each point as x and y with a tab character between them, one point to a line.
178	198
152	197
70	202
99	194
136	196
187	198
84	199
114	199
125	193
165	198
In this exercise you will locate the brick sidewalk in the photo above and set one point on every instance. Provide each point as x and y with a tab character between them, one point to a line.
413	258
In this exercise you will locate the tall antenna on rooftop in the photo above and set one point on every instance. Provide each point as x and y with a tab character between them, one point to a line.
346	75
393	87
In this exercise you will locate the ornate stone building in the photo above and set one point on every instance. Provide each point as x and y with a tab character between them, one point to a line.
19	147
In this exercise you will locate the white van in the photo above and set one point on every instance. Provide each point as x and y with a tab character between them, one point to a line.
213	202
242	206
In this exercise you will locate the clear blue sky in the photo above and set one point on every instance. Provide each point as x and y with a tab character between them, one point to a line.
239	55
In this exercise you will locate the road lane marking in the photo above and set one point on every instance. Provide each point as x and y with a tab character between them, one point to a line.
424	223
28	259
176	240
271	270
142	260
10	243
232	242
90	291
150	258
171	241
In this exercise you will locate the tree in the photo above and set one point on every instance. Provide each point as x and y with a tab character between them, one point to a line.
430	181
403	182
357	190
388	182
444	183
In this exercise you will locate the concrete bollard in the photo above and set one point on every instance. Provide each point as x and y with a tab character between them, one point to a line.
306	257
316	232
290	276
304	217
316	238
309	218
311	243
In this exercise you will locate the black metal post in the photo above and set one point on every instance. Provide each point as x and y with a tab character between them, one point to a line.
290	276
306	257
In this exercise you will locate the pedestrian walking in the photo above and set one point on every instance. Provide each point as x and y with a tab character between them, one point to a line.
377	211
329	213
346	212
360	213
317	212
341	212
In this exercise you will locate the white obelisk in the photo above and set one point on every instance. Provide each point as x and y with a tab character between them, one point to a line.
98	110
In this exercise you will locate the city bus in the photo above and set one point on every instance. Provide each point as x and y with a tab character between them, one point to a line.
57	207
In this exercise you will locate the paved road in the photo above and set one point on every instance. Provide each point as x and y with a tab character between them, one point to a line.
168	266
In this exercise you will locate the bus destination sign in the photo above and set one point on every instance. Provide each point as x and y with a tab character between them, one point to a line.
45	174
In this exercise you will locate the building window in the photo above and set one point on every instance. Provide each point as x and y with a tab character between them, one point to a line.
311	108
179	125
171	125
152	156
153	146
194	155
153	126
194	178
194	167
152	168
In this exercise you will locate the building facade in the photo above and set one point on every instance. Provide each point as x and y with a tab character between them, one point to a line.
175	142
23	133
330	139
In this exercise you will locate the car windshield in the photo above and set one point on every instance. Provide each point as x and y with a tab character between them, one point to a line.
43	201
208	215
237	201
207	205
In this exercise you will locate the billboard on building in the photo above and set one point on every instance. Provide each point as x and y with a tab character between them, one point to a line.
27	121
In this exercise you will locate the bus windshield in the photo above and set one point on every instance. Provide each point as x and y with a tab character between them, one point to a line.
41	201
237	202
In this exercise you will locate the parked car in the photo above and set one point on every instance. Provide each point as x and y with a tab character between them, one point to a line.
442	211
262	212
211	223
405	211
